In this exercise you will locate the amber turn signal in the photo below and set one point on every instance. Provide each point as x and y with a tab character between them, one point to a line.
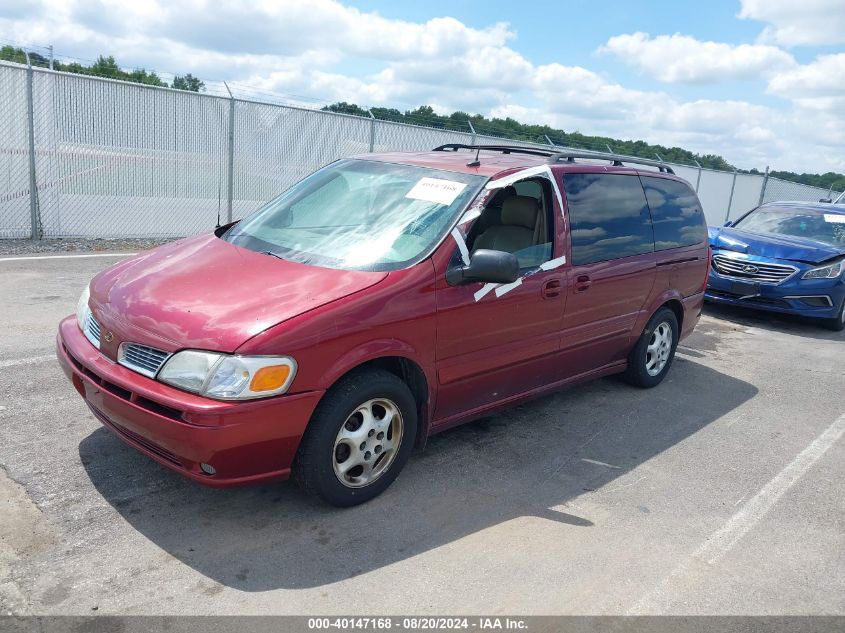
270	378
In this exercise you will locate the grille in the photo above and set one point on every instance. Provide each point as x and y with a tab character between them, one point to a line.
145	360
752	271
92	330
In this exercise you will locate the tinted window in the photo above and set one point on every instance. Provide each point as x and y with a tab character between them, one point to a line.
608	217
675	212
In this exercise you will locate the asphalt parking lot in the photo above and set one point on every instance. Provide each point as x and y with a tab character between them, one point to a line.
719	492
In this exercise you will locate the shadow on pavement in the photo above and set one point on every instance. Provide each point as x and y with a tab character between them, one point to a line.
772	321
523	462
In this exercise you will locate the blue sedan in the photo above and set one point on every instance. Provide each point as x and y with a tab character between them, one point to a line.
783	257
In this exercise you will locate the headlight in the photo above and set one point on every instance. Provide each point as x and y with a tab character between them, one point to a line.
227	377
831	271
82	309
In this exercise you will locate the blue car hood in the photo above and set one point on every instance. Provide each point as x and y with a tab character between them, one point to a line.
774	246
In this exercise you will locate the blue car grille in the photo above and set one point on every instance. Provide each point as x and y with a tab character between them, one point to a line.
752	271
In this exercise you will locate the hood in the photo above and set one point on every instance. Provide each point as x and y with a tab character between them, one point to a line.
773	246
205	293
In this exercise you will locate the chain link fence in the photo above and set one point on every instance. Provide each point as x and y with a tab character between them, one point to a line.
116	159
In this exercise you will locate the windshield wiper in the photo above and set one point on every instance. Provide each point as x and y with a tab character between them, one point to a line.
272	254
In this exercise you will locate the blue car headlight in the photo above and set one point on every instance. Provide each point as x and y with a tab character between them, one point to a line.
831	271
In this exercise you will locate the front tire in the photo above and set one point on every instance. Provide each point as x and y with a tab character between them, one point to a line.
358	440
837	324
649	361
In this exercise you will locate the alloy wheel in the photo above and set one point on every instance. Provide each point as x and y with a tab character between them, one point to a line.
367	443
659	348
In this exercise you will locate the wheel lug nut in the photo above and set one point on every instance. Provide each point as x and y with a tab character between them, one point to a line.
380	436
363	446
367	455
371	433
378	449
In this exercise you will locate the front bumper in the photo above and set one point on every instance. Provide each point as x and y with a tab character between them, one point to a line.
818	298
245	442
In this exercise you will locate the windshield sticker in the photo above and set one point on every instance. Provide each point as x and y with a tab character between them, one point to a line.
834	218
436	190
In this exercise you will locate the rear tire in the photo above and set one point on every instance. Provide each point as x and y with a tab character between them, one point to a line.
837	324
358	440
649	361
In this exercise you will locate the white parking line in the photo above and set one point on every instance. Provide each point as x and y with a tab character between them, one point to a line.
30	360
722	540
30	257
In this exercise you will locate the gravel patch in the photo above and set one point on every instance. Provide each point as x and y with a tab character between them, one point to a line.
26	247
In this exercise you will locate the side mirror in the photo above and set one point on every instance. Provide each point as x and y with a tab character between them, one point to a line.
827	200
728	223
487	266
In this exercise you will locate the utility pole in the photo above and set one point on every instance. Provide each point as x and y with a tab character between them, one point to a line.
372	131
33	187
230	178
766	184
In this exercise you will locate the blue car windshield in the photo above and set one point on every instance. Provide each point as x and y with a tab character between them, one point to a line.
359	215
828	228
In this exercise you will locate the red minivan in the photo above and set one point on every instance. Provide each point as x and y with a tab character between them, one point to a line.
384	298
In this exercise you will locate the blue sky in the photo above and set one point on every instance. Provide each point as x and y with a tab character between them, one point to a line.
761	82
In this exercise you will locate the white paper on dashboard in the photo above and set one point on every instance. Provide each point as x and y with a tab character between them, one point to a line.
436	190
834	218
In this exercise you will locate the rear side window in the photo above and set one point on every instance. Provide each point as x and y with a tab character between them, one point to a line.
608	217
676	213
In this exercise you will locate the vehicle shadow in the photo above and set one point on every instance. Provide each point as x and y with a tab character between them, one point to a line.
773	321
525	462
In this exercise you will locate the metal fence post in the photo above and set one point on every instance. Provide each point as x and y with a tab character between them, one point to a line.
230	178
472	129
697	180
731	198
33	188
763	188
372	131
548	140
609	149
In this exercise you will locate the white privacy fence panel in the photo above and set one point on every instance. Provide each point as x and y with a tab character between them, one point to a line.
14	155
777	189
116	159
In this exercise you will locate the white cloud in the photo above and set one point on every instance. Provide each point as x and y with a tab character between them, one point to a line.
683	59
798	23
823	77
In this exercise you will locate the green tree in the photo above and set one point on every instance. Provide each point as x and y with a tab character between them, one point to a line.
188	82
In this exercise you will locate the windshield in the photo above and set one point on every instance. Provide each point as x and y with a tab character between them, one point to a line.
828	228
359	214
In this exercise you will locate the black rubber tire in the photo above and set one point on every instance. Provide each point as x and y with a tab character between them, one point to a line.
837	324
636	373
312	467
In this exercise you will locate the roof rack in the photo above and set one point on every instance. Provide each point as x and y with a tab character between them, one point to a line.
617	159
555	156
505	149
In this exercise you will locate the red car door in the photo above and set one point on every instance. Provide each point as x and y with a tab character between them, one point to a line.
612	269
497	341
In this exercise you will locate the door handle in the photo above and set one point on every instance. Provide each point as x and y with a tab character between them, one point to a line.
551	289
582	283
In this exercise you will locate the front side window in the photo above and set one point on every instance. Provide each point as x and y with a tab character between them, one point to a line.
828	228
608	217
517	219
675	212
359	215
